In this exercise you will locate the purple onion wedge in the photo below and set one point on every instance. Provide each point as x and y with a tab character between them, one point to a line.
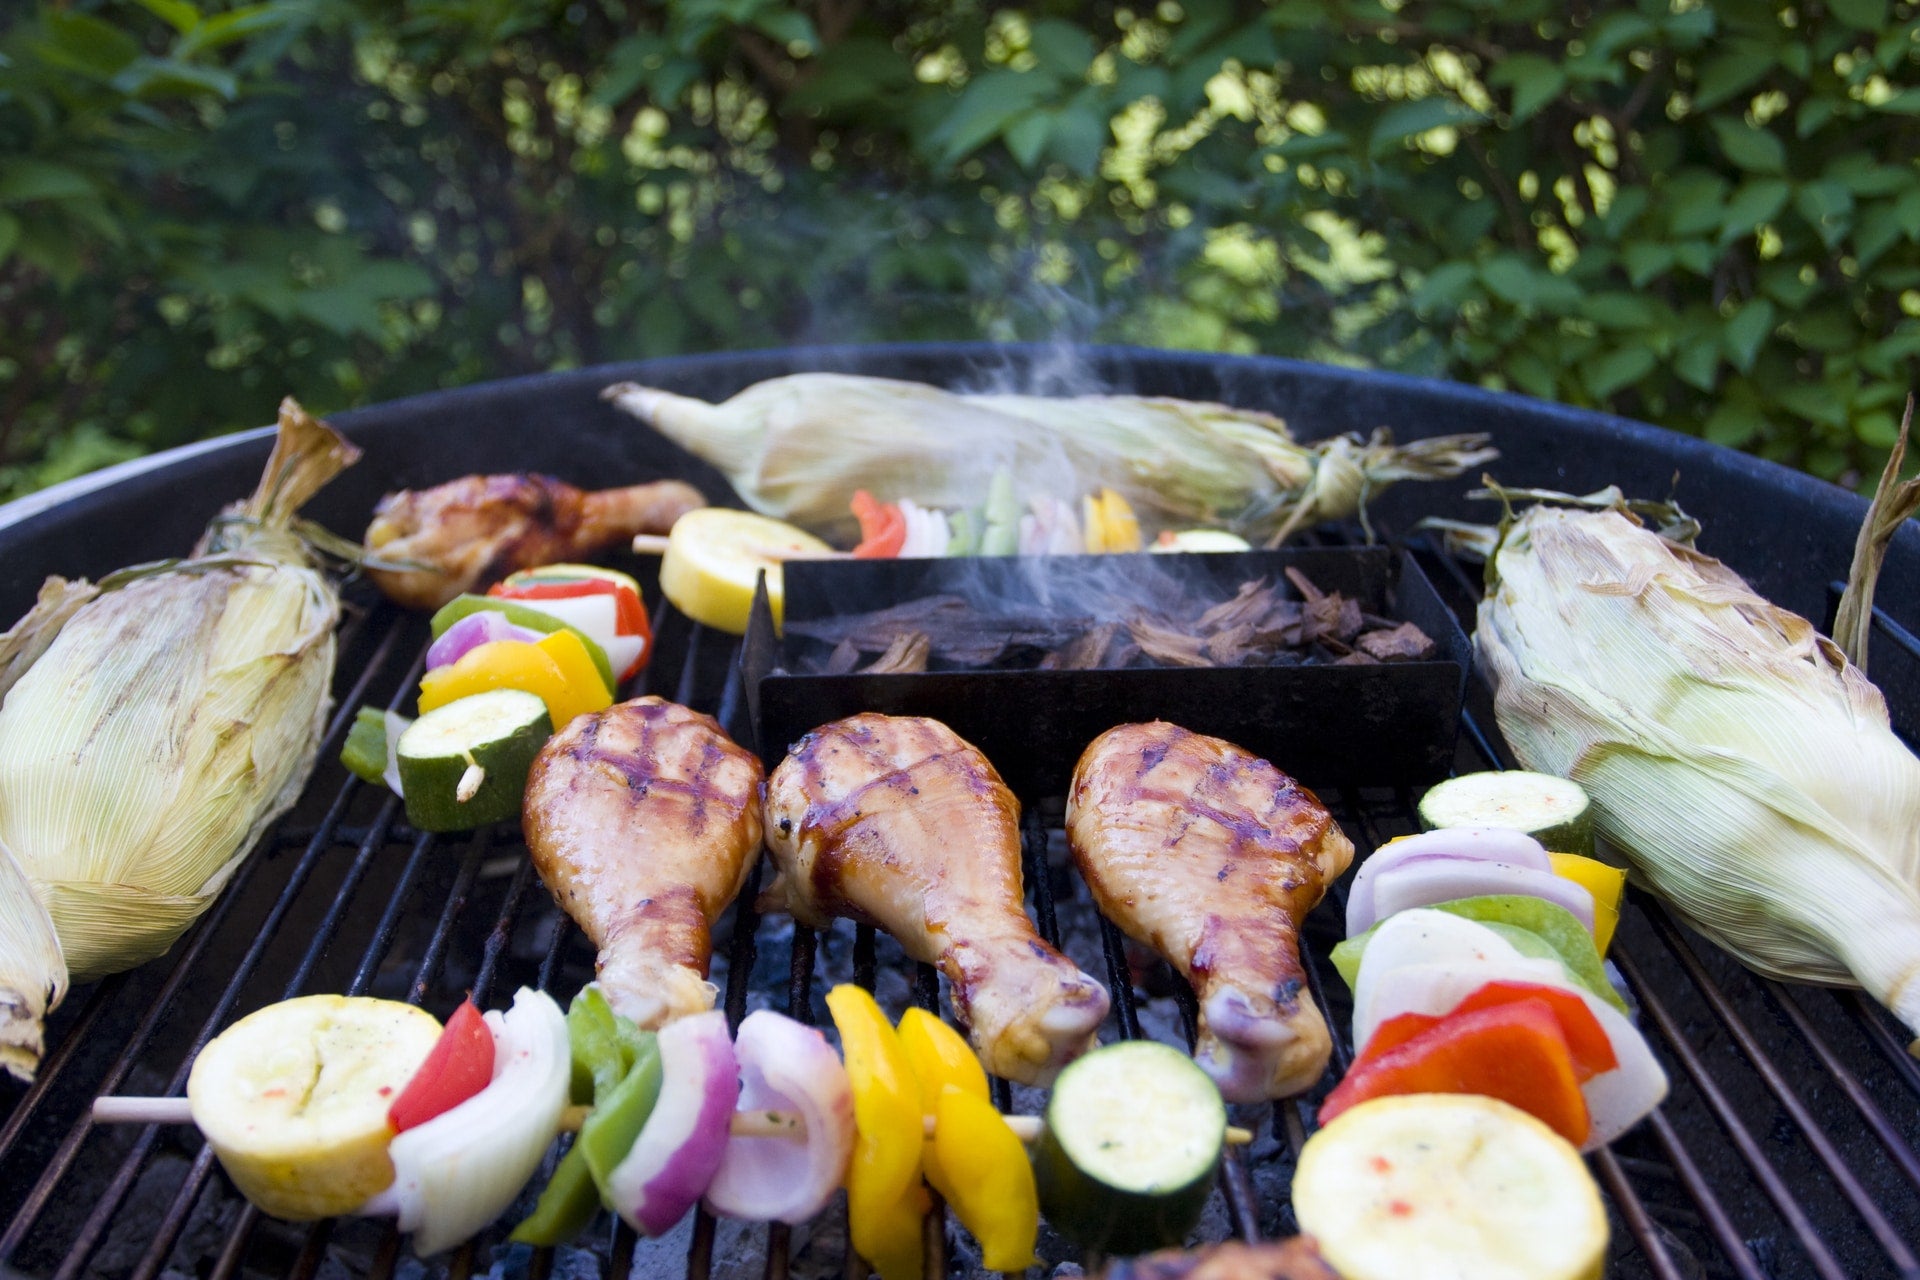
679	1149
470	633
786	1066
1428	882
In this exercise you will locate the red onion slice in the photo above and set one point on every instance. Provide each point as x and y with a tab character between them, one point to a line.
786	1066
1487	844
470	633
679	1149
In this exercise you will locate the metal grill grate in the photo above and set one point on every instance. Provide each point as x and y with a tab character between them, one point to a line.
1790	1145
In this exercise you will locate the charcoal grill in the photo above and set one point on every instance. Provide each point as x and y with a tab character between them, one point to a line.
1790	1145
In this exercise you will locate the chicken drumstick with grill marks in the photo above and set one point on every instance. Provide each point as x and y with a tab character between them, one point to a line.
644	820
471	532
1212	856
897	821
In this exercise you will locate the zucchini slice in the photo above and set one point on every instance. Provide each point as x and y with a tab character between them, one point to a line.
1449	1187
1133	1137
465	764
1552	810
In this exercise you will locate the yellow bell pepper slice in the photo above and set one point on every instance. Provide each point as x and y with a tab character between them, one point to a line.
940	1057
1607	884
1093	520
983	1171
1121	525
557	670
886	1200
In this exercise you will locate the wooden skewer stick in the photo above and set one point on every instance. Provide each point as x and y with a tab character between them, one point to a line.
791	1125
655	544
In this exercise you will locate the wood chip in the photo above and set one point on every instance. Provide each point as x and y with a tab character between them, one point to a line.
1404	643
908	653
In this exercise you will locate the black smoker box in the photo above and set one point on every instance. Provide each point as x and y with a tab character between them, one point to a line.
1390	724
1788	1148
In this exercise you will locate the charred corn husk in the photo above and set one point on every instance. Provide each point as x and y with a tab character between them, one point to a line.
798	447
1742	764
152	730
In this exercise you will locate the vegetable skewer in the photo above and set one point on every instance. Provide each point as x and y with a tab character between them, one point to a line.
130	1109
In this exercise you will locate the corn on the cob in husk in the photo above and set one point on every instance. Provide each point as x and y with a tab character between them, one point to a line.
1736	757
153	727
798	447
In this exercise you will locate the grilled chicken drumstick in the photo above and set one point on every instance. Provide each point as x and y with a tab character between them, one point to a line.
897	821
644	820
476	530
1212	856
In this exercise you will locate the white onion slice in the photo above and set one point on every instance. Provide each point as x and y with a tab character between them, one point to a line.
1488	844
1616	1100
1429	881
596	616
679	1148
396	725
1421	936
460	1170
786	1066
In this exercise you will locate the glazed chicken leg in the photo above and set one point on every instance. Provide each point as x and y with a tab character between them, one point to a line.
644	820
474	531
1212	856
900	823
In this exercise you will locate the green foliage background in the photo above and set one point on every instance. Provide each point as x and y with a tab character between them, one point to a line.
1705	213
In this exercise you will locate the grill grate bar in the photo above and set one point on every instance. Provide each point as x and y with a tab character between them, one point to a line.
163	1239
1723	1111
1639	1223
1850	1084
1763	1065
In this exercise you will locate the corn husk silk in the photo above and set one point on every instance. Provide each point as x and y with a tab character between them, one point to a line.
160	725
1741	763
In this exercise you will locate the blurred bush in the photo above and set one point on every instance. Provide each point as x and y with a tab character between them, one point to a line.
1705	213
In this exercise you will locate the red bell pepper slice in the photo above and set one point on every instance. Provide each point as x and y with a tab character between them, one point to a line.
459	1065
883	527
629	615
1514	1052
1586	1038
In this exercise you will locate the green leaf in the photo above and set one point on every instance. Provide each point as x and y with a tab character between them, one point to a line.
1696	202
1407	119
9	235
1828	208
86	44
1062	48
1618	310
1876	231
1745	333
1864	15
1735	424
1814	113
178	14
1510	277
1079	135
1696	256
1026	137
1619	368
1444	287
987	106
1728	73
25	179
1697	362
1860	174
1782	283
788	27
149	78
1646	260
1904	103
223	29
1535	82
1813	401
1757	201
1755	150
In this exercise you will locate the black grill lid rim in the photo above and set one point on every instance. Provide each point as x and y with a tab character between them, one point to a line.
1789	533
